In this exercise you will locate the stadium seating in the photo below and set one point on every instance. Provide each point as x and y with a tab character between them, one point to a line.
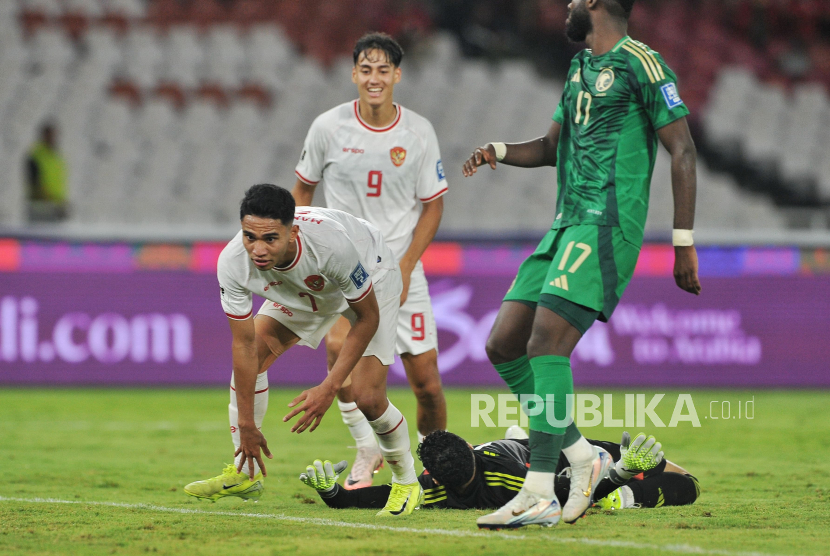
166	114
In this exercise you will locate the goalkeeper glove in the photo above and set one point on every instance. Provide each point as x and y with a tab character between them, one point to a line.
322	476
644	454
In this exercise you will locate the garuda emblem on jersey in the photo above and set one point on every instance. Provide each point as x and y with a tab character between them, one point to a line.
604	80
398	155
315	282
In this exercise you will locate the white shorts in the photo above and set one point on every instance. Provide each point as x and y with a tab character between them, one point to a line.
417	332
313	327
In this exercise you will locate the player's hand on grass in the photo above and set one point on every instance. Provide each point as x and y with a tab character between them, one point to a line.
322	476
312	403
643	454
482	155
685	269
252	445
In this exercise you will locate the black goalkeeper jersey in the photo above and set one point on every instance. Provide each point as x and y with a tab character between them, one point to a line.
501	467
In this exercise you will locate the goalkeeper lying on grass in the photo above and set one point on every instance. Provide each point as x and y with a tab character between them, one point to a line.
460	476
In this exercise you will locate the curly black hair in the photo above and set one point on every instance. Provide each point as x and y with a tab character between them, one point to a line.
448	458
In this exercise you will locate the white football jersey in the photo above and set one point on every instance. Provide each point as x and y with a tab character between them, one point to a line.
380	175
338	257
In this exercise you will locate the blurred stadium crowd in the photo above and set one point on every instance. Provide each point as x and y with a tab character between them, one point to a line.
172	107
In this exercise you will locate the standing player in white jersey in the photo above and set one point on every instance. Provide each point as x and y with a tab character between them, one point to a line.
381	162
312	265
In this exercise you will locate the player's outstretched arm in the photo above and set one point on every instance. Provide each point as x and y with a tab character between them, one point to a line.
322	477
303	193
314	402
531	154
245	369
678	141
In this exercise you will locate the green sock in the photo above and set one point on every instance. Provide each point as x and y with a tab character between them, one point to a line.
544	451
518	375
551	375
572	434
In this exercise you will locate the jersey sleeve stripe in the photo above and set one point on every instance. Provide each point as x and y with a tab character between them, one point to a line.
304	179
650	53
435	196
362	296
237	317
642	60
434	501
652	61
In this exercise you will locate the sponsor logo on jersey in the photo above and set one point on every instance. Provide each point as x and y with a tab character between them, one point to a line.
359	276
272	284
671	96
315	282
605	80
285	310
398	155
577	76
439	169
353	151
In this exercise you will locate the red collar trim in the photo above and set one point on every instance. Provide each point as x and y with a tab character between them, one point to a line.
296	257
377	129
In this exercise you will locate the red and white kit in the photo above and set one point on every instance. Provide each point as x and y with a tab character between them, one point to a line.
339	258
382	176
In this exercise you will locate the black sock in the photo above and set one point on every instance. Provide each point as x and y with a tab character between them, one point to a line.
665	489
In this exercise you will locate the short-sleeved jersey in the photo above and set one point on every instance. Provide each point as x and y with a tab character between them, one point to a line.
338	257
610	110
380	175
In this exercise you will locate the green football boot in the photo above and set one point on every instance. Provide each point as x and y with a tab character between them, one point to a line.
229	483
403	500
611	502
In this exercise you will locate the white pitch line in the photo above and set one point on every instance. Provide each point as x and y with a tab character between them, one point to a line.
678	548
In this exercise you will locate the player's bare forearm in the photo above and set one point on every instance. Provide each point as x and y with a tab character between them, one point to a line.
314	402
367	319
424	233
530	154
678	141
245	368
303	193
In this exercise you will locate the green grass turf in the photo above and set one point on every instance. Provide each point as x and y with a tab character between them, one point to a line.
765	483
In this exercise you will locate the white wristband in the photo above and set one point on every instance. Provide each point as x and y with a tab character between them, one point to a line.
682	238
501	151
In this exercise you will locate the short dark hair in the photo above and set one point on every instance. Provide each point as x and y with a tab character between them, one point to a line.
382	42
448	458
620	8
266	200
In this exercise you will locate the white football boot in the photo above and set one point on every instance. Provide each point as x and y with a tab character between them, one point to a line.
527	508
584	479
366	464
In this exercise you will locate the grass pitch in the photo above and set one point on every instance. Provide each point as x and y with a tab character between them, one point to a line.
102	471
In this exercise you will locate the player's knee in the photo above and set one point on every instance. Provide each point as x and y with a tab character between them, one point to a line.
501	350
429	391
332	351
371	404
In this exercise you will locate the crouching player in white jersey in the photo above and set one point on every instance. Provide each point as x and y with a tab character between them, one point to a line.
312	265
381	162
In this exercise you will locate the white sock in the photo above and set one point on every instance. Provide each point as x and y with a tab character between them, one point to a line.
260	407
393	437
627	496
540	483
359	426
579	452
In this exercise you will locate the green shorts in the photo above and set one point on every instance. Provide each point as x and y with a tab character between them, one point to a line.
586	265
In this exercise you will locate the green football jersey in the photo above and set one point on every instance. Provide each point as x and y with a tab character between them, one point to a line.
610	110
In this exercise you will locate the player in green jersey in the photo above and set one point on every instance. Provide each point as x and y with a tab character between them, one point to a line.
620	98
